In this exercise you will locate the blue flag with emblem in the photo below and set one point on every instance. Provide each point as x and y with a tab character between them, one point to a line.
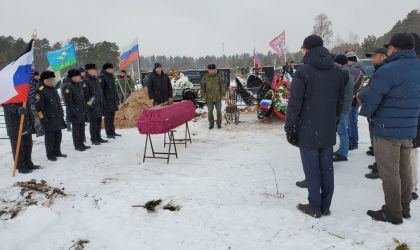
62	58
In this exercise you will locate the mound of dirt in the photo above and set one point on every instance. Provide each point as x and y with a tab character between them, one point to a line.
130	110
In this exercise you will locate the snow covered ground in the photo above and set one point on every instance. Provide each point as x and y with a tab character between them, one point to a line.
219	181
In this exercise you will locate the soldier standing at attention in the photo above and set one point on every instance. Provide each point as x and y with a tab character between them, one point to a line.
111	103
95	101
76	108
50	112
212	90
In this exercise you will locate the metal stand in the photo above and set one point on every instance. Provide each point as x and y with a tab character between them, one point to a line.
161	155
184	141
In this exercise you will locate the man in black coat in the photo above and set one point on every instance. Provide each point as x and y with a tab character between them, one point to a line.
94	98
76	108
50	112
159	86
314	107
112	102
12	113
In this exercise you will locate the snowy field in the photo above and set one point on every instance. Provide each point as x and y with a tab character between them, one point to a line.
220	181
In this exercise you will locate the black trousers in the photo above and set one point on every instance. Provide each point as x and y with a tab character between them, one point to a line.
53	143
95	127
78	133
319	176
25	151
109	123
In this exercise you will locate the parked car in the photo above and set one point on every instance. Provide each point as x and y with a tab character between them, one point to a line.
369	67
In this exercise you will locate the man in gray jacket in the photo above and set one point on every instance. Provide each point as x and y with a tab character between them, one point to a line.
342	128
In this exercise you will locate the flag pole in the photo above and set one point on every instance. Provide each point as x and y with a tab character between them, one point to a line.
22	119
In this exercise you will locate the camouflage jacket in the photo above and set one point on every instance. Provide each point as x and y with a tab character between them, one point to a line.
212	88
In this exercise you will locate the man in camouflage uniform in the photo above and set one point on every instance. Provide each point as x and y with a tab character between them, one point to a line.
125	86
212	90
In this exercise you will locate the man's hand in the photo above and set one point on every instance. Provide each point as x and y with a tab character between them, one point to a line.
292	138
171	100
21	111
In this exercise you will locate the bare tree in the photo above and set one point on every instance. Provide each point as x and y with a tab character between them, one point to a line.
323	28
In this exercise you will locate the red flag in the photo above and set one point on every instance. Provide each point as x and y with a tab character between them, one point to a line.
279	44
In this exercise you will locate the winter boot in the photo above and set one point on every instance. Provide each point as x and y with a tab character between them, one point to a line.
339	158
301	184
307	209
380	215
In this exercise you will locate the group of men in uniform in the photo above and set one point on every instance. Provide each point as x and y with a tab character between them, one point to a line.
87	97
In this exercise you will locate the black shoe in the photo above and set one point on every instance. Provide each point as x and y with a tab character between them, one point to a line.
381	216
406	215
115	134
103	141
24	170
336	152
96	143
211	126
306	209
370	152
81	149
372	175
61	155
34	167
414	196
326	212
373	166
110	136
53	158
86	147
219	126
301	184
353	147
338	158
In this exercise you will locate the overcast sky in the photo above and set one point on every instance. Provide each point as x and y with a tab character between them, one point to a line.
197	27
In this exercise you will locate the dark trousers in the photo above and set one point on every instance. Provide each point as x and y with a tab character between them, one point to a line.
95	127
78	133
109	123
319	176
25	151
53	143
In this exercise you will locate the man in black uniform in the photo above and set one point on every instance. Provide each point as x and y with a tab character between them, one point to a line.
95	100
111	98
159	86
50	112
12	113
76	108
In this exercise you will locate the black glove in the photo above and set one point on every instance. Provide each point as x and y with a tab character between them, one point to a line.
21	110
292	138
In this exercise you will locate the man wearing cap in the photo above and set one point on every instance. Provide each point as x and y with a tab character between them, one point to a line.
125	85
315	104
94	98
50	112
378	57
392	103
159	86
342	128
357	69
111	101
76	108
212	91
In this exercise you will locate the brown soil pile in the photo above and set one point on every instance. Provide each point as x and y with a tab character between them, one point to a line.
130	110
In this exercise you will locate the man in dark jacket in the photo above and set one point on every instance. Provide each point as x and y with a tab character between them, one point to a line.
111	101
392	103
357	69
12	113
159	86
314	107
94	98
378	57
76	108
342	128
50	112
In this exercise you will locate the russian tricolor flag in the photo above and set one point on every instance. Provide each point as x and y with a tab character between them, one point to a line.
15	79
129	54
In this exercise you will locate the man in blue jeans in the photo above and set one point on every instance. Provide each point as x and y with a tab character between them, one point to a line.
315	104
342	128
357	70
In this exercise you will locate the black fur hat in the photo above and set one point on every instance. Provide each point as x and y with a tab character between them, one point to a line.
73	73
402	41
107	66
90	66
47	74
